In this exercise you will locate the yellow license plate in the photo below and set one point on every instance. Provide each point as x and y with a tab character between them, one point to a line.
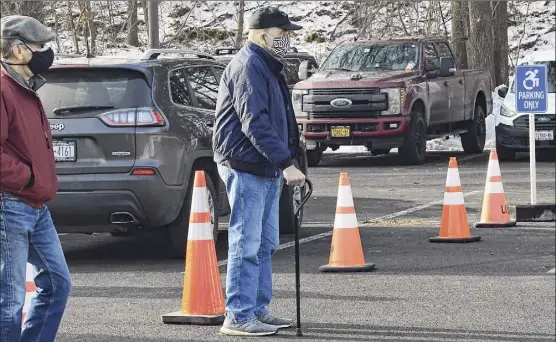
340	132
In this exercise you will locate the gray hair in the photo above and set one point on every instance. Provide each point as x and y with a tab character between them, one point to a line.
6	47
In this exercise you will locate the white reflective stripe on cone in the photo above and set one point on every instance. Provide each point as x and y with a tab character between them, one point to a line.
200	200
345	198
452	178
494	188
29	272
493	168
453	198
199	231
342	221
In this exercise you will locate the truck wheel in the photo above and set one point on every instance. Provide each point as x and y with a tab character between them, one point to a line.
177	230
473	141
505	153
314	157
289	201
414	147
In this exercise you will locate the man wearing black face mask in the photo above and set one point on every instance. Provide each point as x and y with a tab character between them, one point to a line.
255	142
27	180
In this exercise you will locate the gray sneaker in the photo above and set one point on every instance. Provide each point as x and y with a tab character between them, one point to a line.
276	321
251	328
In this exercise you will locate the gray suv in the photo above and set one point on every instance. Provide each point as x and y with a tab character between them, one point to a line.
129	134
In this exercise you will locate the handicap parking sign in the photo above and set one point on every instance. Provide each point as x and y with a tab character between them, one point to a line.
531	88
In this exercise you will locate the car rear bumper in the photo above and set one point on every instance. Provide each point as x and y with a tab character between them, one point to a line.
93	203
518	139
379	133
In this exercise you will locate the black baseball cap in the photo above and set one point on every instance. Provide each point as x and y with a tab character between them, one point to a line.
268	17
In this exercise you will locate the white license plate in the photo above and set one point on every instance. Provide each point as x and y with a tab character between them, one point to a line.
64	150
544	135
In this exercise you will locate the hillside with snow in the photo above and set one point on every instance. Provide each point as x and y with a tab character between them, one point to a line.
205	25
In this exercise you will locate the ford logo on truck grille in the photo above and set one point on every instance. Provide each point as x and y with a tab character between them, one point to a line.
341	103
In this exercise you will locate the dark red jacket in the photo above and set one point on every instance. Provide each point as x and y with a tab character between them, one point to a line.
27	168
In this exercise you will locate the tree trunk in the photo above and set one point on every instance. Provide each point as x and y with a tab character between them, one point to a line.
72	27
240	16
481	42
145	15
500	33
132	34
460	24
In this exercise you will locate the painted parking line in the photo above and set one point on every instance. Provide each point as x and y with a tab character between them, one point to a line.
385	217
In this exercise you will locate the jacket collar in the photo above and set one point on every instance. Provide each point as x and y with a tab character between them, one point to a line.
275	65
34	83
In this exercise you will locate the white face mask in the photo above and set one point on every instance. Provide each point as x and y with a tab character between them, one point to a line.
279	45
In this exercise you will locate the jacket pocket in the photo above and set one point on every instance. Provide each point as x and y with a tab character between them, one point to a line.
37	188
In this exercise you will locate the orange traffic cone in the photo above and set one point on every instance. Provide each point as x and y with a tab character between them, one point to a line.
203	298
30	289
346	254
494	213
454	226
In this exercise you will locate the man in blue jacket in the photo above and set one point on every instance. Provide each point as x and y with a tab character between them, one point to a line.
255	141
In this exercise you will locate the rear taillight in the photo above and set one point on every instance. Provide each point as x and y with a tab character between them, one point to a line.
144	116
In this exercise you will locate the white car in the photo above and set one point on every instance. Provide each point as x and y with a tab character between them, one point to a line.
512	128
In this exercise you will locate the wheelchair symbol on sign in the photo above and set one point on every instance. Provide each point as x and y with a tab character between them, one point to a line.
532	81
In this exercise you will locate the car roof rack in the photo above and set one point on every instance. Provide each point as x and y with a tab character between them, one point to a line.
226	51
153	54
71	55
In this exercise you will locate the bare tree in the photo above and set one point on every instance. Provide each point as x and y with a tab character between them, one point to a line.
481	43
240	16
89	27
132	22
460	23
145	14
71	24
500	33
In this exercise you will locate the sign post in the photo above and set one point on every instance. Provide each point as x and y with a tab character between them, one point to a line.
531	97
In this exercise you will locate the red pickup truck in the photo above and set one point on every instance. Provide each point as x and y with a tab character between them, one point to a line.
395	93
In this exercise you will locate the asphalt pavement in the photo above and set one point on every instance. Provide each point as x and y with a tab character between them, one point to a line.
498	289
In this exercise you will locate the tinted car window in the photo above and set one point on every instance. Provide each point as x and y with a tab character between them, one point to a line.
431	57
218	71
178	88
119	88
444	50
291	67
204	86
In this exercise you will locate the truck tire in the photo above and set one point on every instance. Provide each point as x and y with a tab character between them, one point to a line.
177	230
414	148
314	157
473	141
505	153
289	201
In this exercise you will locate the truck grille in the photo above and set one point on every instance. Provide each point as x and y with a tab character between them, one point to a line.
365	102
345	91
522	123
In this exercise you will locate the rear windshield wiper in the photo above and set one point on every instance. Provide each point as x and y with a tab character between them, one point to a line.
70	109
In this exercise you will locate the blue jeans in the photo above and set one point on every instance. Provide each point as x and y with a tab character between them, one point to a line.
252	240
28	235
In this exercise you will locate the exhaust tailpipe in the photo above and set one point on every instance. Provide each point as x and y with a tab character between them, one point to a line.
122	218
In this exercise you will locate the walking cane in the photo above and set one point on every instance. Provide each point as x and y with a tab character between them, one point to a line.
296	233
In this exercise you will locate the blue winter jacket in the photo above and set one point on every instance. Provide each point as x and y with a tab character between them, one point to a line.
255	129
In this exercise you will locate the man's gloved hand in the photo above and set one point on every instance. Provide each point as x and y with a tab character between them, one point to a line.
293	176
